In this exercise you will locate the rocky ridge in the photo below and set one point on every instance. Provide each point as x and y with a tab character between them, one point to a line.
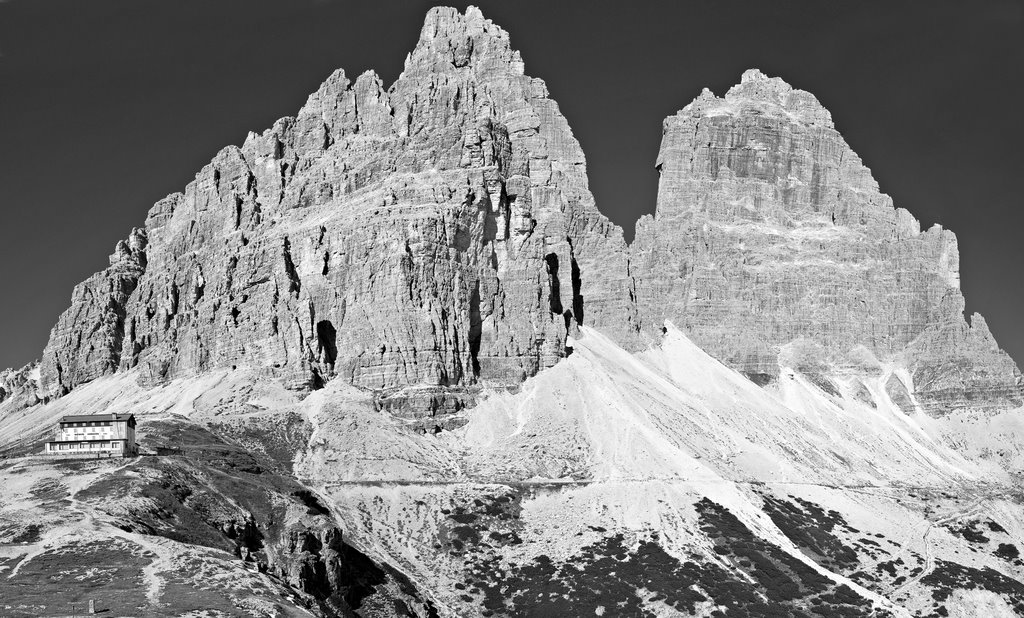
438	237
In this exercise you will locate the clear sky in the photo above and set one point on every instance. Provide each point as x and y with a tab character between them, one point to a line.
106	106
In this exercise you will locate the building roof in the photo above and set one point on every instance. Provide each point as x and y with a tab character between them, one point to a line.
85	418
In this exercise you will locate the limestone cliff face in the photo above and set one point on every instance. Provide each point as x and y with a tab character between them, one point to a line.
87	339
769	229
427	239
418	241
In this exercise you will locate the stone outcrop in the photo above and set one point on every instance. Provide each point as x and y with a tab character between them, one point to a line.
87	339
438	236
418	241
20	389
338	579
769	229
957	365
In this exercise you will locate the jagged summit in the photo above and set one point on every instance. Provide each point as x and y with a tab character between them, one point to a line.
784	136
438	236
751	75
760	94
420	241
449	36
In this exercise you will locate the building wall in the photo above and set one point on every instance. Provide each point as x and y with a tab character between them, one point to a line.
116	430
83	431
114	447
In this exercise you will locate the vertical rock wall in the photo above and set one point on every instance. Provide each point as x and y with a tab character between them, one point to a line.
417	241
769	229
424	240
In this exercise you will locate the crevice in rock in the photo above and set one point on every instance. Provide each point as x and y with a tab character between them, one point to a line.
294	283
554	293
408	269
229	273
198	286
327	342
577	286
328	138
316	381
475	329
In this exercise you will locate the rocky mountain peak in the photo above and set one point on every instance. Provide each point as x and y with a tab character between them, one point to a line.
291	325
758	94
438	237
754	75
449	37
769	229
421	241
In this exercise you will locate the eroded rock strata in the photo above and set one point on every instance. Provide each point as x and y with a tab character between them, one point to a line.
434	239
770	230
417	241
87	340
424	240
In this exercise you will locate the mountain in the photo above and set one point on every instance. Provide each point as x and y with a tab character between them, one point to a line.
417	241
769	230
389	359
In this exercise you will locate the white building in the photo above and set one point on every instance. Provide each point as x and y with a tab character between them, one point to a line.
101	435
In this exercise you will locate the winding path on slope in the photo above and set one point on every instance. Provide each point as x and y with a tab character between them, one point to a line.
972	509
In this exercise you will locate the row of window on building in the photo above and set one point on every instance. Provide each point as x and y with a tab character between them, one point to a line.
77	446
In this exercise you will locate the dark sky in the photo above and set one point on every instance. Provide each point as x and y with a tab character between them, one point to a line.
106	106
